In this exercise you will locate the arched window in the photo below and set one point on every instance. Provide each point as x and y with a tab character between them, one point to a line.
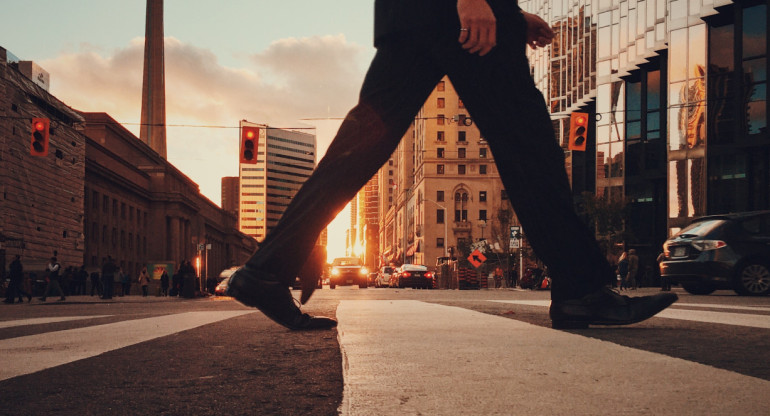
461	206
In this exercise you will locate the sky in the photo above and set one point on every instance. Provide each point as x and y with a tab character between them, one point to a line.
285	63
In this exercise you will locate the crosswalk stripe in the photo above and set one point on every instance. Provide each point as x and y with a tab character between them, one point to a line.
410	357
727	318
29	354
48	320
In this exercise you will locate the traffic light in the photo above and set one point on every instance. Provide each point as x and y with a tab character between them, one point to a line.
578	128
40	131
249	140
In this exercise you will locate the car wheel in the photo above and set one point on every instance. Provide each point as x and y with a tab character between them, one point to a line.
363	285
332	285
699	288
753	279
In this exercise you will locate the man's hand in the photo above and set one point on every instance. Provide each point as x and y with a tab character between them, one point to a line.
478	26
539	34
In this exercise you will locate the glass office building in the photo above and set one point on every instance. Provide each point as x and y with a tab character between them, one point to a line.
677	92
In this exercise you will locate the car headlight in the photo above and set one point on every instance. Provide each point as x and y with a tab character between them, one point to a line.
335	272
707	245
364	271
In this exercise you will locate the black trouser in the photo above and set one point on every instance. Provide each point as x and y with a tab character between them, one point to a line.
510	112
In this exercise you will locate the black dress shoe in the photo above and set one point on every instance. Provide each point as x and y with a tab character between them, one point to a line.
606	307
264	292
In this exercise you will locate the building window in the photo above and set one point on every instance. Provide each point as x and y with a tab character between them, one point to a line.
440	120
461	136
483	196
104	234
94	232
105	204
440	86
440	136
115	208
460	104
461	153
440	242
483	214
440	152
439	216
483	169
461	169
123	211
440	102
483	153
461	206
95	200
440	196
440	169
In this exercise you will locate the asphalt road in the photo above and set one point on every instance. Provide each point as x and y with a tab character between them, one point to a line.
395	352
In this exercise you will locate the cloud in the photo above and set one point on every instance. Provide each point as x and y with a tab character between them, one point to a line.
291	79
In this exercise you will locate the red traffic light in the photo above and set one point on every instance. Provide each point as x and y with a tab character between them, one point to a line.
39	140
249	141
578	128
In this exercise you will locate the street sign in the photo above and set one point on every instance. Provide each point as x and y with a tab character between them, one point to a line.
477	258
515	236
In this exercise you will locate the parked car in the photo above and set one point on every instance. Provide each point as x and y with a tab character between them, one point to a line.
721	252
348	271
412	275
383	277
222	287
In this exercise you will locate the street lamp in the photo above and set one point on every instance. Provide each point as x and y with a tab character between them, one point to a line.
446	240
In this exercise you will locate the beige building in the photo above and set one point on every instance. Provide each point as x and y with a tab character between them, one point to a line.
441	190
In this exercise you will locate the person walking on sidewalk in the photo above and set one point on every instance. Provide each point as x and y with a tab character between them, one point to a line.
54	280
480	45
144	281
15	286
109	269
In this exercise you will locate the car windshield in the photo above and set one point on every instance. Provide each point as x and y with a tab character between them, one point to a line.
387	270
347	261
699	229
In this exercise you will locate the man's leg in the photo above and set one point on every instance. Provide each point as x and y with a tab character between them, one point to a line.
510	112
400	78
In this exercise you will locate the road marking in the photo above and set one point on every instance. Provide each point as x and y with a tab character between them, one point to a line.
410	357
33	353
727	318
49	320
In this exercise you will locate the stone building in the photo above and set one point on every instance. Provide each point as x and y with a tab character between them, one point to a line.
99	191
41	206
441	188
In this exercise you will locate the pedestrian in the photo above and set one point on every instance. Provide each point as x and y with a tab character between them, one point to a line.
81	277
164	283
118	278
144	281
109	270
498	277
53	277
480	45
126	281
16	283
623	270
96	286
633	269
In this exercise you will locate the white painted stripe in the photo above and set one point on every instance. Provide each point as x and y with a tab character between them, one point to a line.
727	318
409	358
733	307
49	320
26	355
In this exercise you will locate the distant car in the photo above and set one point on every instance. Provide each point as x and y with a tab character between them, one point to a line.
721	252
383	277
227	272
222	287
348	271
412	275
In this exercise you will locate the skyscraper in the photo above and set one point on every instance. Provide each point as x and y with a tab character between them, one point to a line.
285	159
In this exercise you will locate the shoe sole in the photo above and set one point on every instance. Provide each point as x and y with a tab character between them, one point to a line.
584	324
